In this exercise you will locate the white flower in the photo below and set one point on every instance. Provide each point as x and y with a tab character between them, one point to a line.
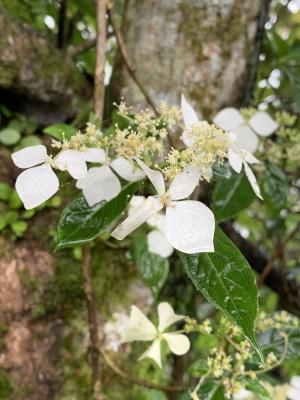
189	118
100	183
294	390
38	183
140	328
238	158
156	239
188	225
243	394
230	119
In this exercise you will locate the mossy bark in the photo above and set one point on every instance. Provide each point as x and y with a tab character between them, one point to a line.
36	75
207	50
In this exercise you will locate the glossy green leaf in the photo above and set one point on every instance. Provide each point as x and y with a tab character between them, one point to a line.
60	131
9	136
80	223
274	187
230	196
153	268
226	280
257	389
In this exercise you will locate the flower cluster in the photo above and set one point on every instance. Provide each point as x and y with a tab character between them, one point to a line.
133	150
278	320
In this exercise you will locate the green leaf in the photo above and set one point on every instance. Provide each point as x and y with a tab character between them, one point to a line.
28	141
255	387
208	391
2	222
9	136
10	217
198	368
231	196
153	268
5	191
226	280
272	341
80	223
14	201
60	131
274	187
19	227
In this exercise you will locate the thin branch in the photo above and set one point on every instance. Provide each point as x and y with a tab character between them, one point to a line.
140	382
279	251
73	52
61	23
92	320
101	8
86	264
128	63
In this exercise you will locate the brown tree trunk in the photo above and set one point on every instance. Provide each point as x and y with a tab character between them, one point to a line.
207	50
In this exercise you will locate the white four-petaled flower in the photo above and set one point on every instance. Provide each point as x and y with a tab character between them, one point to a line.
140	328
231	120
100	183
188	225
38	182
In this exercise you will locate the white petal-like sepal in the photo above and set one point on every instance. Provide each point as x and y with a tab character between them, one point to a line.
135	203
99	184
72	161
167	316
139	327
246	139
252	180
155	177
94	155
243	394
235	160
158	244
137	218
263	124
190	226
153	352
188	113
127	170
229	119
184	183
295	382
179	344
30	156
36	185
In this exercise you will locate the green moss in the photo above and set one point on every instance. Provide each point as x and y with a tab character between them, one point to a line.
6	387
